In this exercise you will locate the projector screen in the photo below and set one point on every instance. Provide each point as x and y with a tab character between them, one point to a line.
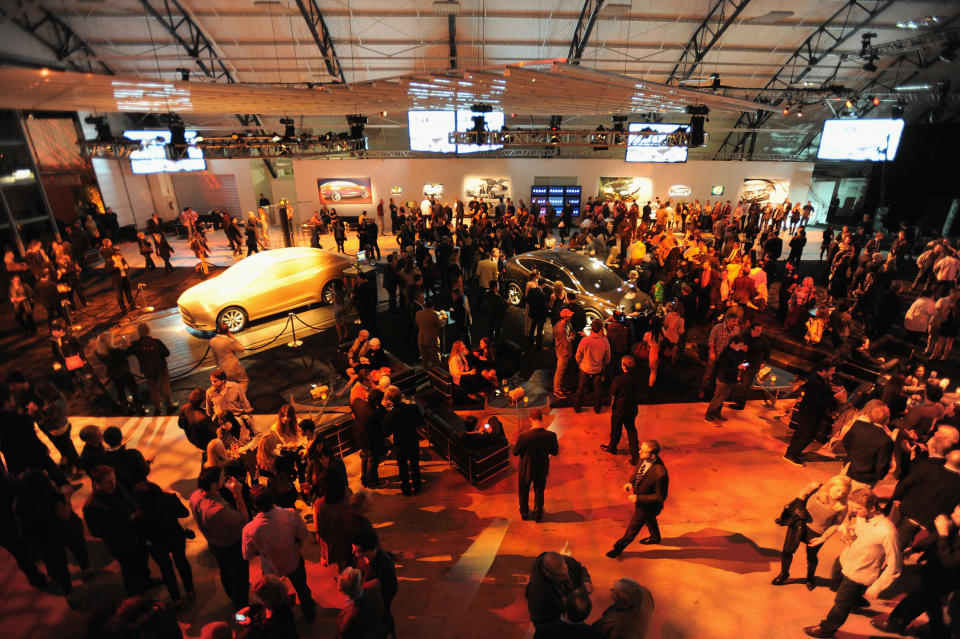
873	140
430	130
152	156
659	153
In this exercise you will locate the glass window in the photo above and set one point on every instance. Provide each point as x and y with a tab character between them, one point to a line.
596	278
553	273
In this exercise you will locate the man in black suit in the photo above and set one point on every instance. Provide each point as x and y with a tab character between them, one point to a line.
495	309
369	433
932	488
534	448
869	448
403	420
818	399
625	391
648	490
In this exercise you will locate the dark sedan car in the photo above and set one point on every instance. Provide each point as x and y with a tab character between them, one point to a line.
598	288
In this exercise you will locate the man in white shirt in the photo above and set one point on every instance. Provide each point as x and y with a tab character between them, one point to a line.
276	534
917	320
946	270
870	562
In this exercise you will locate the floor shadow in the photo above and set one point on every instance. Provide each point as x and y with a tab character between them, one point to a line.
732	552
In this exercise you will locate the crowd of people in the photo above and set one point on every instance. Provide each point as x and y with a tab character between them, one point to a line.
709	271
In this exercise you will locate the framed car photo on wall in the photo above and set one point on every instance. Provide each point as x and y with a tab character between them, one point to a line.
345	190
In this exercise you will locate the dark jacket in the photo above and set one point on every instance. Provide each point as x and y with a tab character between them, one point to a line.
537	304
152	355
128	464
196	425
626	391
20	445
368	429
728	365
109	516
402	423
566	630
869	449
817	399
627	621
360	617
651	487
534	448
545	597
161	524
927	491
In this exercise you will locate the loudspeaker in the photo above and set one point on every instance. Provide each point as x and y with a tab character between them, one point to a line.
696	131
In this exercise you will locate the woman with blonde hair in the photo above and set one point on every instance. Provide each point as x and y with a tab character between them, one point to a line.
464	375
812	518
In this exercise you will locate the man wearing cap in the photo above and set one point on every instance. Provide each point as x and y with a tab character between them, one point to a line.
593	355
563	346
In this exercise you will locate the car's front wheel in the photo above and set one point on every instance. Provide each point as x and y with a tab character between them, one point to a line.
335	196
364	193
593	314
514	294
328	292
234	317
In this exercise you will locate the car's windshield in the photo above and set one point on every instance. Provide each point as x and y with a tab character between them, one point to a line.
595	277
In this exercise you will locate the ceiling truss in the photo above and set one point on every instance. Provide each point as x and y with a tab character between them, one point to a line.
723	14
57	36
827	38
185	30
321	35
581	33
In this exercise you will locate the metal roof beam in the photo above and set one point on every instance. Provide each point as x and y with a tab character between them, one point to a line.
452	31
321	35
835	30
56	35
712	27
581	33
188	34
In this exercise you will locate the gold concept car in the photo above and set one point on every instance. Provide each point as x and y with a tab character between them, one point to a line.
263	284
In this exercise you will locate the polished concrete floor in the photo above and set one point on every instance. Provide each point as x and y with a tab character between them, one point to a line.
464	553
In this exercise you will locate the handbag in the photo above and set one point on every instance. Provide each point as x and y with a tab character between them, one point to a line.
795	512
73	362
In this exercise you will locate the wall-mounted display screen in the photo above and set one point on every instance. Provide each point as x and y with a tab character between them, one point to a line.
655	139
875	140
430	130
151	157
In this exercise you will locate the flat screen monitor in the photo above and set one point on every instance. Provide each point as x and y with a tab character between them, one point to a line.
430	130
655	147
875	140
151	157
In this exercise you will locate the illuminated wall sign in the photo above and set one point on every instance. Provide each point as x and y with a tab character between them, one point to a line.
433	189
717	190
396	190
680	190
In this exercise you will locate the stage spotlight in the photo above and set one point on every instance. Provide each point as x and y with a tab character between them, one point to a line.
275	137
478	132
870	66
848	103
896	111
356	123
289	133
714	80
800	112
786	110
600	138
102	125
875	100
184	74
178	138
